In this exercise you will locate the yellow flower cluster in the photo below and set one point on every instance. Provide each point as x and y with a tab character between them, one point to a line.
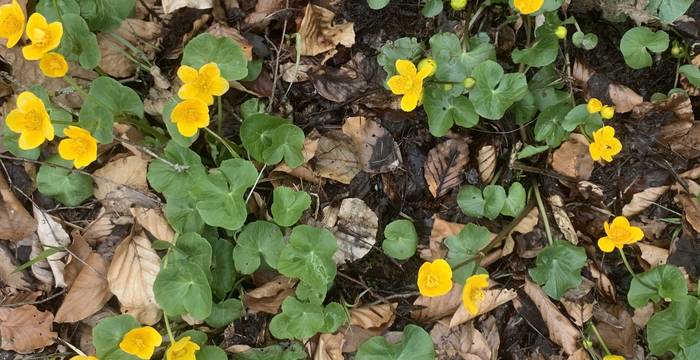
618	234
409	81
596	106
197	92
142	343
435	279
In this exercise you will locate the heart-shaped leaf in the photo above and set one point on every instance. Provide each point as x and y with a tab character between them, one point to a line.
257	241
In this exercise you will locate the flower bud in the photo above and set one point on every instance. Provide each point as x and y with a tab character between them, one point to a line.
469	83
560	32
458	5
429	64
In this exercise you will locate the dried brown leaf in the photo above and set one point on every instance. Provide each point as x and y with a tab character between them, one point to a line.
140	34
562	218
603	283
572	158
335	158
561	331
579	311
318	34
355	226
15	221
643	199
344	84
294	73
434	308
8	275
52	236
172	5
441	229
444	165
618	330
373	317
25	329
330	347
79	251
492	299
487	163
653	255
269	297
88	293
374	145
691	210
463	342
121	184
154	222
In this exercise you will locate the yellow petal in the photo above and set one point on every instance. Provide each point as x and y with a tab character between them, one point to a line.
399	84
187	74
219	86
409	102
606	244
36	22
594	150
47	128
527	7
615	146
32	52
29	140
15	120
620	222
594	105
12	20
211	70
406	68
56	31
67	149
636	234
27	101
607	132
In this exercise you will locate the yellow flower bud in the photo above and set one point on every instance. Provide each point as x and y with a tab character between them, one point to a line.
607	112
447	87
469	83
594	106
458	5
560	32
427	67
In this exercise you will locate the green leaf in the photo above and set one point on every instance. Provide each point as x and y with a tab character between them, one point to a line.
108	333
542	52
287	143
297	320
494	198
107	101
463	247
10	142
335	316
258	240
558	268
454	64
377	4
415	345
68	187
692	72
471	201
193	248
222	267
288	205
309	256
172	127
431	8
224	313
584	41
663	282
48	8
182	214
515	202
251	107
294	351
223	51
164	178
183	288
78	43
401	239
445	110
211	352
257	132
637	42
524	109
495	92
104	15
548	125
579	116
196	336
402	48
669	10
667	328
530	150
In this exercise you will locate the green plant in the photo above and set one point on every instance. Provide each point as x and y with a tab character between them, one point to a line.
416	344
492	201
558	268
637	42
400	240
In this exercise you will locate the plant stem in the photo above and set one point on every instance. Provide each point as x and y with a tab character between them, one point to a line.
167	328
600	338
222	141
543	212
75	86
256	183
627	264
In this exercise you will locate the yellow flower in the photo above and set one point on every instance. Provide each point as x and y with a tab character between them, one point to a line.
190	115
435	278
594	105
203	84
613	357
607	112
31	121
619	234
408	83
473	292
605	145
182	349
528	6
11	23
44	36
141	342
83	357
53	65
80	146
429	65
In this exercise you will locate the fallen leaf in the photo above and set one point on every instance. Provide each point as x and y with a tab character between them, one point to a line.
122	183
154	222
330	347
318	34
52	236
444	165
295	73
88	293
441	229
489	328
304	172
15	221
562	218
355	226
12	296
41	269
487	163
172	5
642	315
102	228
264	12
269	297
653	255
373	317
620	334
8	275
374	145
78	253
580	354
643	199
437	307
579	311
25	329
560	329
601	87
493	298
335	158
131	276
139	34
344	84
462	342
603	283
691	210
572	158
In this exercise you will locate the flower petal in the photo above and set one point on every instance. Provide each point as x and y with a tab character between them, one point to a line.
620	222
219	86
636	234
29	140
409	102
32	52
406	68
594	150
187	74
210	70
606	244
56	31
15	121
399	84
36	22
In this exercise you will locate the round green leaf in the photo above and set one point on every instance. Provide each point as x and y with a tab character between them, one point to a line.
462	249
558	268
108	333
193	248
287	141
107	100
401	239
211	352
222	269
223	51
165	178
515	202
495	92
257	132
471	201
288	205
663	282
584	41
309	256
415	345
258	240
224	313
297	320
183	288
182	214
377	4
542	52
444	110
667	329
68	187
637	42
78	43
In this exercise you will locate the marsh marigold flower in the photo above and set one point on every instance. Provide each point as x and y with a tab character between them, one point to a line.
613	357
83	357
31	121
141	342
182	349
190	116
79	146
605	145
473	292
44	36
409	83
435	278
594	105
527	7
11	23
53	65
202	84
619	233
607	112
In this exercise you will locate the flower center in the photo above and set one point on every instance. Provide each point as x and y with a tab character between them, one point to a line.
80	145
203	82
477	295
432	281
32	120
41	37
192	114
139	343
55	66
10	24
619	234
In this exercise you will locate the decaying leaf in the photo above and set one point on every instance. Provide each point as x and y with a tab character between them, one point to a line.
561	331
691	210
437	307
52	236
122	184
25	329
172	5
140	34
374	145
653	255
304	171
444	165
603	283
573	159
335	158
131	276
601	87
350	81
441	229
103	227
330	347
318	34
579	311
492	299
462	342
617	328
562	218
487	163
643	199
366	322
355	226
88	293
15	221
154	222
8	275
269	297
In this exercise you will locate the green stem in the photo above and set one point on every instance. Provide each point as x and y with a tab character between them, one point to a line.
543	212
219	125
600	338
76	87
678	68
167	328
627	263
222	141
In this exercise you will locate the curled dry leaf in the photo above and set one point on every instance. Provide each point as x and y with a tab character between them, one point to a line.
653	255
330	347
691	210
346	83
269	297
675	114
489	328
601	87
25	329
444	165
88	293
643	199
430	309
103	227
131	276
154	222
318	34
561	331
603	283
12	296
366	322
15	221
295	73
580	354
617	328
41	270
52	235
642	315
78	253
573	159
487	163
374	145
578	310
562	218
355	226
335	158
463	342
140	34
122	184
492	299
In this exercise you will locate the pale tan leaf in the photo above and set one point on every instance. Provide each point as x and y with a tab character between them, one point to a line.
172	5
330	347
25	329
131	276
8	275
103	226
561	331
294	73
127	172
154	222
318	34
691	210
642	315
603	283
444	165
304	171
374	145
643	199
580	354
269	297
462	342
489	328
430	309
617	329
355	228
140	34
572	158
492	299
335	158
41	270
15	221
562	218
88	293
580	311
487	163
79	251
373	317
52	235
12	296
440	231
653	255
